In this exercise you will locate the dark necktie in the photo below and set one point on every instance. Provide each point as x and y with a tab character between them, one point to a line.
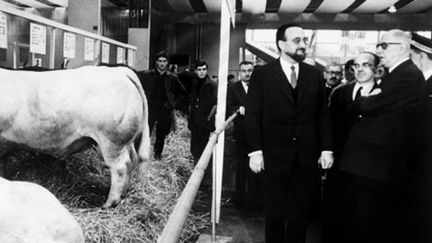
293	77
358	93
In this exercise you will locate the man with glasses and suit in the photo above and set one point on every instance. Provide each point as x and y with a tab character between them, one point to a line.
333	76
379	152
288	134
338	212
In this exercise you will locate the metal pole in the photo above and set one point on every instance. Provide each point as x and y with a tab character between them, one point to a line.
173	228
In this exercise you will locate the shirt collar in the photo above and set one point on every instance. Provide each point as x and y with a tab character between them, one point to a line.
427	74
366	88
397	64
245	85
286	67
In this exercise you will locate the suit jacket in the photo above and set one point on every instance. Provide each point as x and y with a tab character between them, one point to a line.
287	130
380	145
174	90
236	97
202	101
342	118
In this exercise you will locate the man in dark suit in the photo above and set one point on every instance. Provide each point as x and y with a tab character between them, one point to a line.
333	76
379	151
164	93
288	129
236	99
421	55
202	100
337	211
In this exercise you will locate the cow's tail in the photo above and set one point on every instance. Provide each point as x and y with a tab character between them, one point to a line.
142	144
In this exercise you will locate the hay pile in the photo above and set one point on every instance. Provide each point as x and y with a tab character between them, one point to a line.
82	184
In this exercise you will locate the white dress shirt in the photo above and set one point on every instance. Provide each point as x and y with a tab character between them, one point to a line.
245	86
366	88
427	74
286	67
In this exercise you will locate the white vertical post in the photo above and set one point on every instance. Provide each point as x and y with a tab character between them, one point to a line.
218	155
52	51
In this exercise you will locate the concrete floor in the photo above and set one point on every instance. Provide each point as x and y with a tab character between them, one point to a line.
246	226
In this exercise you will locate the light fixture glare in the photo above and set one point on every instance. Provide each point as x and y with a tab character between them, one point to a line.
392	9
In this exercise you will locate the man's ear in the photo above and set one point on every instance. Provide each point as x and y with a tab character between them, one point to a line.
423	56
379	72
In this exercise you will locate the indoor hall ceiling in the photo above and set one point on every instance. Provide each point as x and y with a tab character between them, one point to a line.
257	7
40	4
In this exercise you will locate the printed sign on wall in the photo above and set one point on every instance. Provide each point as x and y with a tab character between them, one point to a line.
131	58
69	45
3	31
120	55
89	49
105	52
38	38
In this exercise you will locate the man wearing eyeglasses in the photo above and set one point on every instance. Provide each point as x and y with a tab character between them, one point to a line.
338	216
333	76
379	151
288	134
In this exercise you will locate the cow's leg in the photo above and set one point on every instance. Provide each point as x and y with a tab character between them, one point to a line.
118	160
2	168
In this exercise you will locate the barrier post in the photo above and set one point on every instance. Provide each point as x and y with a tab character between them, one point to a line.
172	230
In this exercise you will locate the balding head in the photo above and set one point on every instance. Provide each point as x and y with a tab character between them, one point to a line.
393	47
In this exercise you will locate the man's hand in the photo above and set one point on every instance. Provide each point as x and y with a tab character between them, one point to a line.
242	110
326	160
256	163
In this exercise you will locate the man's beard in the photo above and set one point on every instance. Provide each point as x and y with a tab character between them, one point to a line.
299	55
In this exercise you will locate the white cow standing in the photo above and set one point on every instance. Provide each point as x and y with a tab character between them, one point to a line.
30	213
61	112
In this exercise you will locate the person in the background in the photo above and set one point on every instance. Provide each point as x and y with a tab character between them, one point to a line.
333	76
245	179
164	94
288	134
348	75
421	55
230	79
202	101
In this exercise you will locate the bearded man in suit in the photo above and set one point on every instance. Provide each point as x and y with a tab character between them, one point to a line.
288	133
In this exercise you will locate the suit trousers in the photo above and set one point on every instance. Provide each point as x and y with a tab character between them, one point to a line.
160	119
248	184
288	201
379	210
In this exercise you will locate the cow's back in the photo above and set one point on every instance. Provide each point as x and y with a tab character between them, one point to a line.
50	110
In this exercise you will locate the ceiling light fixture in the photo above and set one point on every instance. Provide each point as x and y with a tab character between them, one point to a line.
392	9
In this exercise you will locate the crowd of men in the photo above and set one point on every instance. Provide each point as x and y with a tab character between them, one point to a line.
365	123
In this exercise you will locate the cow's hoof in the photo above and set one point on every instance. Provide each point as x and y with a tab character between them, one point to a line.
111	204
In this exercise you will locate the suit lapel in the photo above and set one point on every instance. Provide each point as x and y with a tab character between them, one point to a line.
301	82
241	92
282	81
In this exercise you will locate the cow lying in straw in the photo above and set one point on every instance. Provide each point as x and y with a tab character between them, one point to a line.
30	213
62	112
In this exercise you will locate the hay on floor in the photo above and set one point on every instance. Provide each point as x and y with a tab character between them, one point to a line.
82	183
